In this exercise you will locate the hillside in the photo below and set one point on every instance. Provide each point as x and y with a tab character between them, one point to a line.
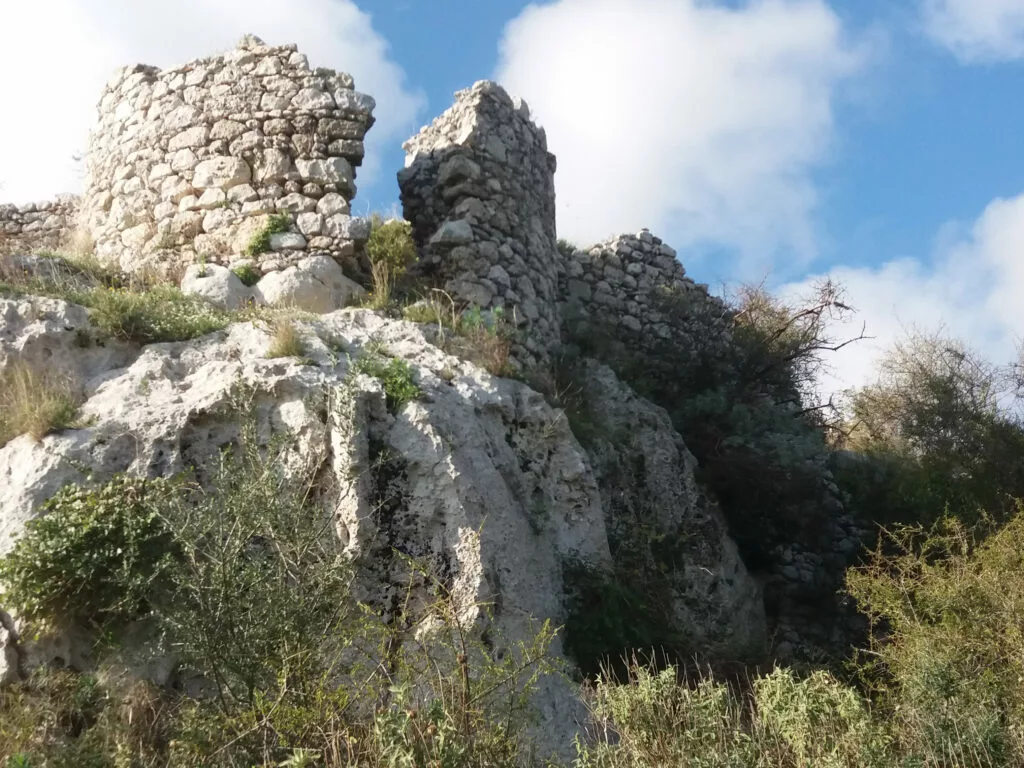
284	486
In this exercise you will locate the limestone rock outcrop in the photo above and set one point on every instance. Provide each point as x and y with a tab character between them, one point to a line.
661	522
486	482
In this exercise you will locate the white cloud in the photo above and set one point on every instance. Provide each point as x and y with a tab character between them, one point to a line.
971	288
699	121
56	56
977	30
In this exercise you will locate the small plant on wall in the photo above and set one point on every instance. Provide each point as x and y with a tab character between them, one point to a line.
276	224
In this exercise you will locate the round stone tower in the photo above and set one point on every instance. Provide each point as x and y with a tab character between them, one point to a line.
191	163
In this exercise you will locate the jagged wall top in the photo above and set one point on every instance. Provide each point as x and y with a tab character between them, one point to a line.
479	190
182	161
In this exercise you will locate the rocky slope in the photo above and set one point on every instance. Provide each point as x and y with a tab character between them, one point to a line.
479	477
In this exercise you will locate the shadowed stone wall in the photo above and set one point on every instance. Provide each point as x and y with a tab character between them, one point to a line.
478	188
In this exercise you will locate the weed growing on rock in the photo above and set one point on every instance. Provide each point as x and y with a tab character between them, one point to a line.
97	554
160	314
248	274
277	223
483	338
34	402
395	375
286	341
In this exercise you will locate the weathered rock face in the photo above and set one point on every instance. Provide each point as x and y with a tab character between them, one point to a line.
479	478
191	161
650	498
9	661
478	188
54	336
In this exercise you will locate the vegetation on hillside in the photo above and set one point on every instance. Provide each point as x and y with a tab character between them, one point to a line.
242	581
240	578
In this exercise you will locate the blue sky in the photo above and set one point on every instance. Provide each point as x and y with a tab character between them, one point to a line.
875	141
922	141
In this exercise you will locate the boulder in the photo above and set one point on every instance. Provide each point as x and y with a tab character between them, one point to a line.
451	233
216	284
315	284
332	170
345	227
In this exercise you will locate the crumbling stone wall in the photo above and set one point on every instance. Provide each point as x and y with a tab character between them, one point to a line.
34	227
632	290
189	162
478	187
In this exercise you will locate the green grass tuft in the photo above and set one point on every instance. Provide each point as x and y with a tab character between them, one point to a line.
277	223
396	376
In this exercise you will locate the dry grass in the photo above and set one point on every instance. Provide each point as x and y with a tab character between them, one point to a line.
34	402
484	341
286	341
383	286
80	244
485	347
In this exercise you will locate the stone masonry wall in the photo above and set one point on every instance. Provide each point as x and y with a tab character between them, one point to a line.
622	290
37	226
188	163
478	188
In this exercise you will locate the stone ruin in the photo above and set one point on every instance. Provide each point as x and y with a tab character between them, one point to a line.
44	226
188	163
186	166
479	189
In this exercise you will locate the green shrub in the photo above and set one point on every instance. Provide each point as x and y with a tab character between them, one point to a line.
255	600
819	721
395	375
248	274
662	723
609	622
51	720
160	314
95	555
34	402
736	379
391	243
143	314
936	435
783	722
948	609
277	223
